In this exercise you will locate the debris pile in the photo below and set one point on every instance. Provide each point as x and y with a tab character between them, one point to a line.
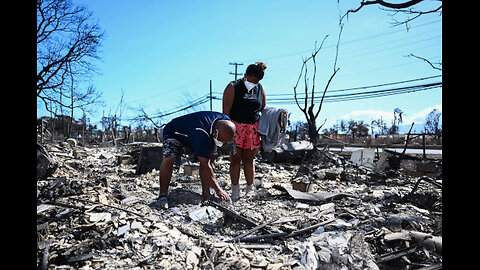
96	210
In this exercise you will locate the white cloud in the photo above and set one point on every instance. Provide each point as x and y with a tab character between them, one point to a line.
408	117
368	115
419	117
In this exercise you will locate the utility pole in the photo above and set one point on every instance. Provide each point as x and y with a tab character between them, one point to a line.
236	64
211	95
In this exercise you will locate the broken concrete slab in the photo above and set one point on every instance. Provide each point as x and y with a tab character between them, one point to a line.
413	166
150	158
290	152
382	163
364	157
426	167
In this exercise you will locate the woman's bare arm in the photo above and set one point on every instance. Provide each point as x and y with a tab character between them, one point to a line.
228	97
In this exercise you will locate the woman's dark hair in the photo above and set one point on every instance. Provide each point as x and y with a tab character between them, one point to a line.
257	70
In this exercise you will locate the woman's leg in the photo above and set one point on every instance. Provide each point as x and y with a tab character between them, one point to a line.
235	166
248	166
235	161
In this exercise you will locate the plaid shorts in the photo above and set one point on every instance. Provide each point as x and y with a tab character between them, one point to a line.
247	136
174	149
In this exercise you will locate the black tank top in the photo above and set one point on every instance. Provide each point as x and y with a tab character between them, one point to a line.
246	106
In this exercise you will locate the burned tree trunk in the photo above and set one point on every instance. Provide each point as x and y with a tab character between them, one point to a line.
309	113
46	166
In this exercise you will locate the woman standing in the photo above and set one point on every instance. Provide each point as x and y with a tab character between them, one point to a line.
243	100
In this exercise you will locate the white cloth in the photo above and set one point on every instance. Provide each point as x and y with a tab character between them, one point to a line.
250	188
235	192
269	127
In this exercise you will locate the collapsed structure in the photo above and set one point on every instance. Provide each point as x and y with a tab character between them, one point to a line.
313	209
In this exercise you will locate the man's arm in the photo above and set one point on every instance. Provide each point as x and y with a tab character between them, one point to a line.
208	179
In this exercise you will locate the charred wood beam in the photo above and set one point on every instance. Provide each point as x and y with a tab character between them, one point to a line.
425	178
245	220
406	140
231	213
397	254
284	234
256	228
402	155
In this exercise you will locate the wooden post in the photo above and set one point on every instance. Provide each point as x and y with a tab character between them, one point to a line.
408	135
423	143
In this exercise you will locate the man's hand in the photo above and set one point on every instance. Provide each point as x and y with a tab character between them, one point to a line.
223	195
208	180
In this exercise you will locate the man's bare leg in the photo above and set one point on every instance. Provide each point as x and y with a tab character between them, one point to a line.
166	170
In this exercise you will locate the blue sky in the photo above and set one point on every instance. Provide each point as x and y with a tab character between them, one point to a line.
162	54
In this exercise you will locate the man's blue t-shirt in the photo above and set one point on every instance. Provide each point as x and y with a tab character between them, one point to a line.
194	130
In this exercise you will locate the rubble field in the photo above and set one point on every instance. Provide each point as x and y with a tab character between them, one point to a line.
95	210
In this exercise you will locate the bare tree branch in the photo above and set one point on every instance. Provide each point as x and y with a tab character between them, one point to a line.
410	11
430	63
309	113
295	88
143	116
335	69
304	66
405	4
67	42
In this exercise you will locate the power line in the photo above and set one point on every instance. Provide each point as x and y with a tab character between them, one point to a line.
376	94
290	99
329	46
356	96
392	48
360	95
370	86
366	93
199	101
328	98
360	87
345	58
236	64
348	41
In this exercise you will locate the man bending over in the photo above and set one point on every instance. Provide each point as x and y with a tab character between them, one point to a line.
200	131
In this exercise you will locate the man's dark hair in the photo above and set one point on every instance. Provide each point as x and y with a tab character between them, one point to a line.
257	70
